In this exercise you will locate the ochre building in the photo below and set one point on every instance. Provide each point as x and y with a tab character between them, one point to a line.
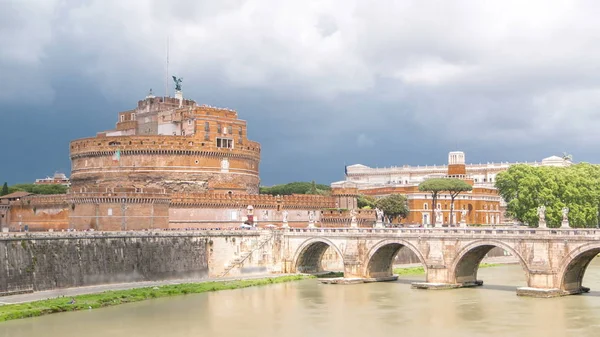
482	205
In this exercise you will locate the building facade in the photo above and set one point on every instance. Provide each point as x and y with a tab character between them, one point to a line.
482	205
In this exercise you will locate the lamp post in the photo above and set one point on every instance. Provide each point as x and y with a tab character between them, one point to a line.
123	220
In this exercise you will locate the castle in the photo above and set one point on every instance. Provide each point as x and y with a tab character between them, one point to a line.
172	164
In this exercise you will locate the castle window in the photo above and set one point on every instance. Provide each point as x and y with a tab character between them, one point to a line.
425	206
225	143
206	127
122	118
133	116
241	132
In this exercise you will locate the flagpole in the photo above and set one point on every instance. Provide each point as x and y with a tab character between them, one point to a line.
167	71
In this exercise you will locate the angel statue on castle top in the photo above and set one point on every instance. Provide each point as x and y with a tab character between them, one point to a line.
177	83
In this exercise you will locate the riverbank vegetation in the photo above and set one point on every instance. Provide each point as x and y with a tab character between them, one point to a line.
110	298
420	270
398	271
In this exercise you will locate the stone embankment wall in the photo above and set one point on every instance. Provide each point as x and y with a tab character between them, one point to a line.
46	261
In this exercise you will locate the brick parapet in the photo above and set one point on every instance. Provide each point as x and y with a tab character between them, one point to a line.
119	197
257	201
343	218
49	199
159	145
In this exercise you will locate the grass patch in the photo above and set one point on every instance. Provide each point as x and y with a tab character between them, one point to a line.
421	270
110	298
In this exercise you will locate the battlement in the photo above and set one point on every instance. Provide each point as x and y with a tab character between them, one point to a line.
215	111
49	199
343	218
160	144
119	198
163	102
257	201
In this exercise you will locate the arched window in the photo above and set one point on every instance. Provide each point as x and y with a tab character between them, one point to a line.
439	206
425	206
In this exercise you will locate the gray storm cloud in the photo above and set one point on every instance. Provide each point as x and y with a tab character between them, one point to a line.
504	74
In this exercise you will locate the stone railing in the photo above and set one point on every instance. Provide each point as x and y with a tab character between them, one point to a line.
520	232
122	234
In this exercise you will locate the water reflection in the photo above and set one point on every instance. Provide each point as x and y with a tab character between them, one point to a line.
307	308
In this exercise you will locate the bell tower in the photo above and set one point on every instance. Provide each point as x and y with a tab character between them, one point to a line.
456	164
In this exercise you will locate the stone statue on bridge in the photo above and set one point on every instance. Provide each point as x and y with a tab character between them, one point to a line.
353	222
565	218
285	219
439	217
463	218
353	215
541	213
379	214
311	219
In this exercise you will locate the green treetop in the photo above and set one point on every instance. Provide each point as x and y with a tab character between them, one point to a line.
525	188
393	206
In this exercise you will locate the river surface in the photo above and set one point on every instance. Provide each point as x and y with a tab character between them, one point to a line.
307	308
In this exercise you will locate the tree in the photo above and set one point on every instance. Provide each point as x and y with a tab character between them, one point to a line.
4	189
525	188
455	187
434	186
366	202
296	188
393	205
313	188
39	189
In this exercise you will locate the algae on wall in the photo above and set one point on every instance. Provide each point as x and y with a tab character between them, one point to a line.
33	264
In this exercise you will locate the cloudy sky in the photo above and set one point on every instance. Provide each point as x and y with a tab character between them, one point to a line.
321	83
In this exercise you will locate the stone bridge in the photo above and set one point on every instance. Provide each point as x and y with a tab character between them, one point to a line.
553	260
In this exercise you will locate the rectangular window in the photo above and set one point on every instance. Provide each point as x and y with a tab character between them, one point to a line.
240	141
218	127
206	127
225	143
206	136
230	130
241	132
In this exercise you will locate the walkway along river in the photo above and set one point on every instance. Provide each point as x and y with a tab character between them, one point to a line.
307	308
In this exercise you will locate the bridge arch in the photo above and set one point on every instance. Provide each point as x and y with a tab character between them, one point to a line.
573	266
380	258
308	256
466	263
